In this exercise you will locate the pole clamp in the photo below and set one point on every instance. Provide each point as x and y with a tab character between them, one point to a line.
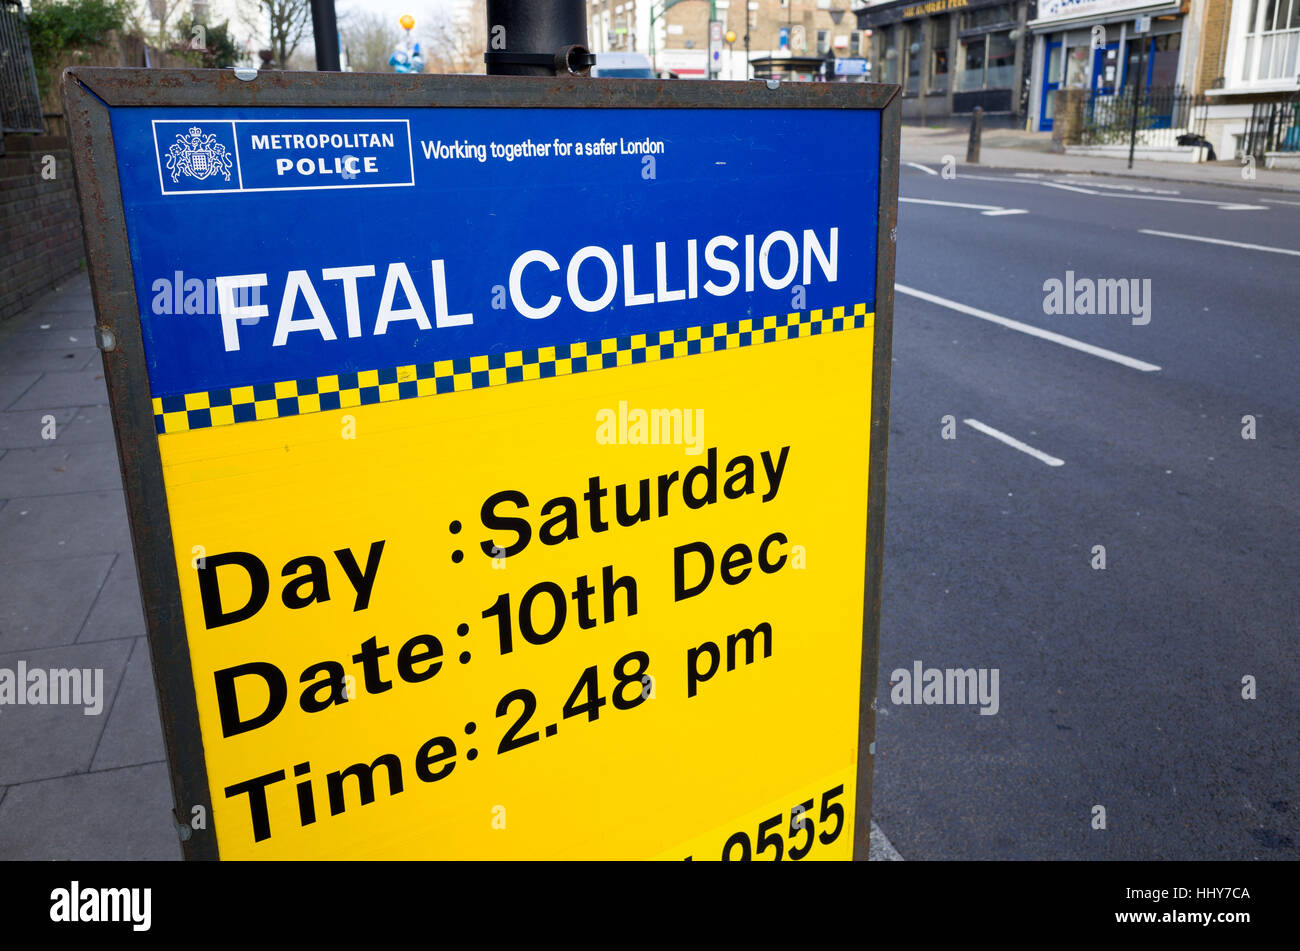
568	59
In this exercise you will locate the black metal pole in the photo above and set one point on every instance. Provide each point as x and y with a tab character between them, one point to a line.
976	131
537	38
1137	81
325	27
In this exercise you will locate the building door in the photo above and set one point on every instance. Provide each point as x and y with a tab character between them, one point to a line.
1106	71
1052	68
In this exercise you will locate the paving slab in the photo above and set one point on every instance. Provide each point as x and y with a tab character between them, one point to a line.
111	815
53	526
41	741
59	468
28	429
14	385
90	424
67	359
134	732
80	317
117	612
46	603
52	390
66	340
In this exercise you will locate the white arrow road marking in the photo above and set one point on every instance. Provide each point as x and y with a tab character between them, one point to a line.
1013	442
1031	330
1231	244
983	209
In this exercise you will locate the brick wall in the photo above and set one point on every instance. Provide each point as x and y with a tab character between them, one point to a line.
1214	41
40	224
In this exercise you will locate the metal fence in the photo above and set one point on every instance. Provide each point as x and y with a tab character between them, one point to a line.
1273	127
20	103
1166	117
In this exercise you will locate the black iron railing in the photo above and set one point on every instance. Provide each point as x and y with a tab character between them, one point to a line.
1273	127
1165	115
20	103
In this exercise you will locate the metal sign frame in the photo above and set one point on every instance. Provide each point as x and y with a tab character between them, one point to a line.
89	94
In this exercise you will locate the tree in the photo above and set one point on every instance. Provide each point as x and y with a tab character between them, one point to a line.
56	28
144	12
370	39
212	47
457	47
290	22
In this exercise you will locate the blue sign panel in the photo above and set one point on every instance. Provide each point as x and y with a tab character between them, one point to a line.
285	244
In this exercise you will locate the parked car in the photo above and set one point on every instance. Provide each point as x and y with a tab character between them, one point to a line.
623	66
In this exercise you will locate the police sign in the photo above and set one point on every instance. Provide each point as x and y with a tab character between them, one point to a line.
505	458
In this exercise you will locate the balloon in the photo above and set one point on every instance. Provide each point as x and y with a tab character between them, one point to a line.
407	21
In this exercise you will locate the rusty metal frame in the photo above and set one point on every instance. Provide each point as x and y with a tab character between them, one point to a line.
90	92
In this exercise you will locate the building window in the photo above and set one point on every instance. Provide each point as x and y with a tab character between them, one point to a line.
938	81
913	52
1159	61
988	16
855	44
971	75
823	42
1001	61
889	53
987	61
1272	40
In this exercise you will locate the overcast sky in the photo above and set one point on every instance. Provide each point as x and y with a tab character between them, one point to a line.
422	10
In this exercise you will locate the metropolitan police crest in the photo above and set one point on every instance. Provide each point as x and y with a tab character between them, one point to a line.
198	156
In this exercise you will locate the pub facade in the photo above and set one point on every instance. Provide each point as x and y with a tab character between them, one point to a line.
953	55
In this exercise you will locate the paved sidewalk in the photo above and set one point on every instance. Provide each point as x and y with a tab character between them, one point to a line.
1031	151
72	785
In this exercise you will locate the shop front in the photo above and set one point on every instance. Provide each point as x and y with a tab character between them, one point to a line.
1093	44
952	55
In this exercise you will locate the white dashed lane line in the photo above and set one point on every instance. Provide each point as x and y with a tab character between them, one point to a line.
1013	442
1231	244
1030	329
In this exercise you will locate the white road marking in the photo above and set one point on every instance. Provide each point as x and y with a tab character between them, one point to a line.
983	209
1231	244
880	848
1127	188
1031	330
1029	181
1278	201
924	168
1013	442
1221	205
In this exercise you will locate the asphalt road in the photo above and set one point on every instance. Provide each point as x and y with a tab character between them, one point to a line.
1122	687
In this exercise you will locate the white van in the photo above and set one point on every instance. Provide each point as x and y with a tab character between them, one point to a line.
623	66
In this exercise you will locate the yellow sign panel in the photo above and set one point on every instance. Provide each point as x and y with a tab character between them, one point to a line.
480	625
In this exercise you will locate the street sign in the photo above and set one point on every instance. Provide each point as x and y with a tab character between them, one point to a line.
850	67
504	481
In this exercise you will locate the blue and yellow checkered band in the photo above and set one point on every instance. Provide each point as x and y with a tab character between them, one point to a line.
242	404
